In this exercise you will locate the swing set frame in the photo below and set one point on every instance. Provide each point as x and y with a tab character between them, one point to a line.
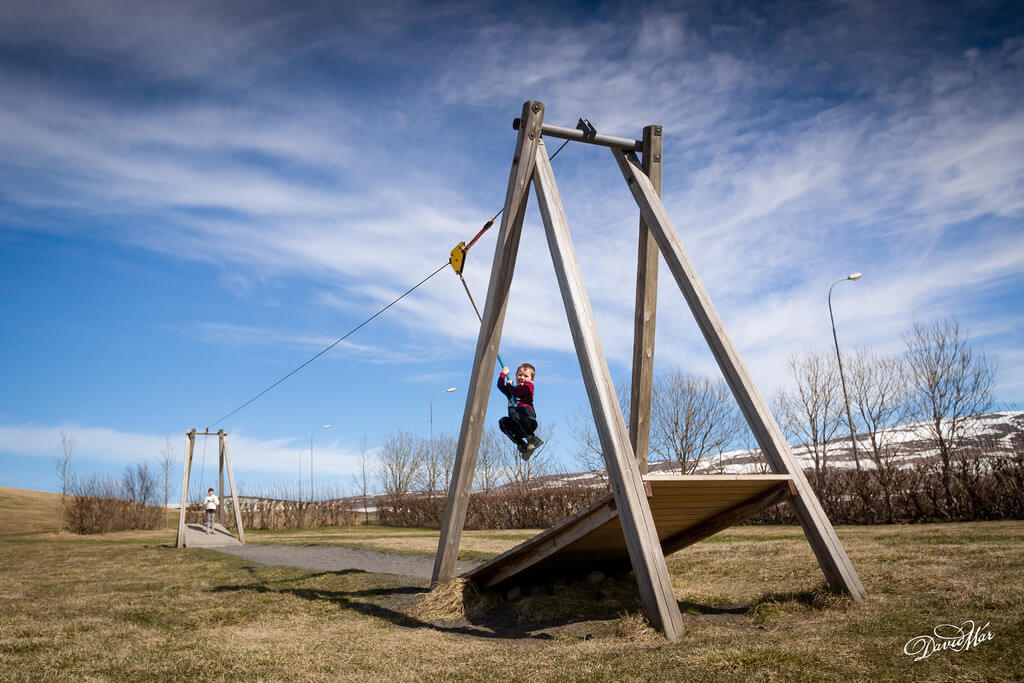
625	452
224	462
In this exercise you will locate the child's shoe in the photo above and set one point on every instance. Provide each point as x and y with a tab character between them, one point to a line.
533	444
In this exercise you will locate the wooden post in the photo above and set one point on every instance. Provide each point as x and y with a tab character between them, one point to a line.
240	532
627	486
220	478
646	306
482	376
827	548
190	442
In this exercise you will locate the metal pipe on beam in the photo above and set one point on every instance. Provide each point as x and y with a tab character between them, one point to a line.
579	136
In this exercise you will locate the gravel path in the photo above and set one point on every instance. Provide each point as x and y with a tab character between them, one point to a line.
337	558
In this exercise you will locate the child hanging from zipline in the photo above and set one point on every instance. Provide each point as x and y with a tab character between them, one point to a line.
521	422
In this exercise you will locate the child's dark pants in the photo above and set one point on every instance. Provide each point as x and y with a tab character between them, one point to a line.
520	424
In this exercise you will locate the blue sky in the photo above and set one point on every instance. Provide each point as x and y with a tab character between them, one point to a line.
197	197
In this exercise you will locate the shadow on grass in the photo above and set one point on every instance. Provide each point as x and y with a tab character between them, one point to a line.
348	600
820	598
527	617
712	610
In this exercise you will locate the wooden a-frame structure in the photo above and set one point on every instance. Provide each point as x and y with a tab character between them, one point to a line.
223	462
625	452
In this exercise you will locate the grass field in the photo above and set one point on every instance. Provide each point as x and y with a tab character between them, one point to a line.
130	606
23	511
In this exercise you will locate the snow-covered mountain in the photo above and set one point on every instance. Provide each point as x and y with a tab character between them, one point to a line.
1002	431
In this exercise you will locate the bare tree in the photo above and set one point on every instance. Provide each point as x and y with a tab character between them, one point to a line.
138	485
813	414
588	454
878	392
446	445
950	387
431	472
691	417
521	472
758	463
166	463
438	462
363	466
488	472
63	464
399	462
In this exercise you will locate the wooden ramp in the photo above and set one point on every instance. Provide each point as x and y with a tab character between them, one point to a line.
686	509
196	537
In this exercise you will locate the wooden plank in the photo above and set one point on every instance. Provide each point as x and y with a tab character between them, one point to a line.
604	545
672	480
663	514
234	491
831	555
196	537
712	491
482	376
730	517
547	533
699	498
645	312
708	487
626	484
663	510
509	566
190	442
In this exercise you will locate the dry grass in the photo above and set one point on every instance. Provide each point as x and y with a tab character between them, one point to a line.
452	601
130	606
24	511
634	626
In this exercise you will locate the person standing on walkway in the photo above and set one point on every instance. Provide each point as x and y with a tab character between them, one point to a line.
211	504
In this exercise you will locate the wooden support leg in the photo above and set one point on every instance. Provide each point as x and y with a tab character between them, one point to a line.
220	478
827	548
190	442
646	307
234	491
627	486
487	343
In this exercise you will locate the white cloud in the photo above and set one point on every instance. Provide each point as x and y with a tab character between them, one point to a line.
252	459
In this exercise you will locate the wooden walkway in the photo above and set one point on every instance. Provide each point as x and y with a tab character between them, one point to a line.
686	509
196	537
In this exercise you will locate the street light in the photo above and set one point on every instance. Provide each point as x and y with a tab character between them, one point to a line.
446	391
839	357
312	491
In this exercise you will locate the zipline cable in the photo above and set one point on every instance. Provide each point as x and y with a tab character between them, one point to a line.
466	248
489	223
347	335
458	257
501	363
